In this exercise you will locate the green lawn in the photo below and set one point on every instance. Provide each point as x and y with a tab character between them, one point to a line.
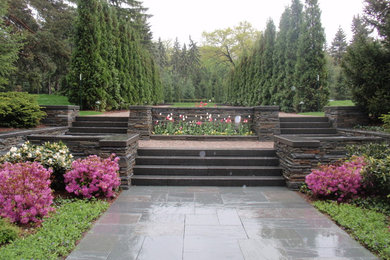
312	114
191	104
54	100
89	113
341	103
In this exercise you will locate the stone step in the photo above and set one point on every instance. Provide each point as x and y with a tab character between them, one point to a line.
300	131
303	119
208	180
179	170
305	125
102	118
207	161
207	152
98	130
99	124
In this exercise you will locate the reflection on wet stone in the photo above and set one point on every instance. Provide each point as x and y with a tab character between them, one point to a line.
215	223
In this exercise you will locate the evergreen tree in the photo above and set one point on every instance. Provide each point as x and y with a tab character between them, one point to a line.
267	63
366	64
279	72
292	42
310	74
87	62
338	46
10	44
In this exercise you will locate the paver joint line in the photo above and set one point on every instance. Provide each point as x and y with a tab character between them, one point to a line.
201	223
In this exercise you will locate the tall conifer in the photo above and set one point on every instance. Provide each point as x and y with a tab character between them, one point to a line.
310	74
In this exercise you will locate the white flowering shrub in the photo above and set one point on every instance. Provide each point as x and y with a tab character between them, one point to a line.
54	156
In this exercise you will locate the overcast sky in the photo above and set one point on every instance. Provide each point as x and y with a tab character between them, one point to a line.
181	18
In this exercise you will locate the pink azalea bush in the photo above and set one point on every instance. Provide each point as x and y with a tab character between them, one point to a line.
341	182
93	177
25	193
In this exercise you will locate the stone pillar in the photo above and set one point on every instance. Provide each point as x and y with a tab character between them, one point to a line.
140	121
60	115
346	116
266	122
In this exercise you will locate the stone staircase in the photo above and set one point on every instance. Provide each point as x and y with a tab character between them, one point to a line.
96	125
306	126
207	167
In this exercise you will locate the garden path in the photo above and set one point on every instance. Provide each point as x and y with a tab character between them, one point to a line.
168	223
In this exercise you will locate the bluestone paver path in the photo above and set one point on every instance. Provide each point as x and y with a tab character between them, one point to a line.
201	223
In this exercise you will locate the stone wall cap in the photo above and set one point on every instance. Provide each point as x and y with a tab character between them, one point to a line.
342	108
139	107
94	138
119	140
297	141
51	107
267	108
381	134
31	131
202	108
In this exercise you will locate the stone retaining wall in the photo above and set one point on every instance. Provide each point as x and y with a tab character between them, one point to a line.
124	146
298	155
264	119
346	116
15	138
59	115
356	132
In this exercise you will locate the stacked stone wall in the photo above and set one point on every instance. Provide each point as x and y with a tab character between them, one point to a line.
346	116
124	146
59	115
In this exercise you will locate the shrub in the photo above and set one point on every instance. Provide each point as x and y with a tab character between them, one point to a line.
340	182
377	151
8	232
376	176
369	227
19	109
25	193
93	177
386	122
54	156
58	234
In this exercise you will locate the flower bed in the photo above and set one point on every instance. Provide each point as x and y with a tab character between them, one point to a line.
360	188
203	126
32	225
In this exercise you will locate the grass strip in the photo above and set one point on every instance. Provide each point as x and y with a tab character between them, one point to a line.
90	113
367	226
58	235
191	104
336	103
53	100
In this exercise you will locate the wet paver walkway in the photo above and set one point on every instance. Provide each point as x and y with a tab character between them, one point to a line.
215	223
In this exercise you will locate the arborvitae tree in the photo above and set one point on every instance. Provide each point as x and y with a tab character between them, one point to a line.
87	62
295	29
267	63
310	74
10	43
339	46
279	72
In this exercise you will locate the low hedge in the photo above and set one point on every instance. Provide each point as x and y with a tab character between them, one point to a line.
20	110
58	235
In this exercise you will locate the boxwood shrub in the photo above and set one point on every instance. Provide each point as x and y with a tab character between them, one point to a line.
20	110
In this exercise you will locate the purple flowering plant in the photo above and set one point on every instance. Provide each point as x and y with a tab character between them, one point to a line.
25	194
339	182
93	177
